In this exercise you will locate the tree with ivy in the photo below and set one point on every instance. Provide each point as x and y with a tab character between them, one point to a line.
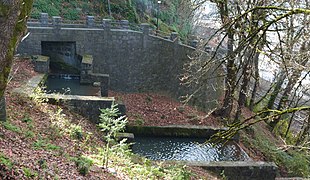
13	17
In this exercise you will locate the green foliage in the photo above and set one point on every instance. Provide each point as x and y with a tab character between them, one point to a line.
27	119
6	161
52	7
111	124
182	173
29	134
83	164
42	144
280	130
137	167
76	132
297	163
29	173
139	122
222	174
72	14
7	125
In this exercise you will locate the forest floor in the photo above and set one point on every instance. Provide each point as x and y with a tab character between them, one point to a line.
37	141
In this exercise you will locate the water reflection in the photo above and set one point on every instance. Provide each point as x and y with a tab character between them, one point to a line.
186	149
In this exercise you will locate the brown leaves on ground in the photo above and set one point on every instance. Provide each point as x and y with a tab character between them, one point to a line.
151	109
32	126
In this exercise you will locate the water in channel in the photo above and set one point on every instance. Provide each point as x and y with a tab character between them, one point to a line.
69	85
186	149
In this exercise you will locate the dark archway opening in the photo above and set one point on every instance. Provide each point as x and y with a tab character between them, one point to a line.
63	57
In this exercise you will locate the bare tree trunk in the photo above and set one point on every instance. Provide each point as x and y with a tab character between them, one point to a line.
230	81
13	17
276	90
246	72
256	77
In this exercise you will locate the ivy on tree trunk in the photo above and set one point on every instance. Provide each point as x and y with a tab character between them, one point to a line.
13	17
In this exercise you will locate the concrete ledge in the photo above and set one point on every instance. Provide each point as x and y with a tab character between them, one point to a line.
174	130
240	170
88	106
31	85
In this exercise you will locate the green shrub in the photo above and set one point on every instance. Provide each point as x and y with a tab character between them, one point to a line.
42	144
83	164
29	134
7	125
6	161
29	173
76	132
72	14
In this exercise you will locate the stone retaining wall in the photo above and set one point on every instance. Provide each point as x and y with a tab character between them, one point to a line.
136	61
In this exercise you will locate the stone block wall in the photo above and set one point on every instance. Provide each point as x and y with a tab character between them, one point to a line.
41	63
135	61
88	77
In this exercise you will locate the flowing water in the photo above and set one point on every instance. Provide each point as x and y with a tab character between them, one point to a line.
70	85
186	149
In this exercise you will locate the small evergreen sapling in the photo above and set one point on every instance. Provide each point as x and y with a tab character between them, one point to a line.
111	124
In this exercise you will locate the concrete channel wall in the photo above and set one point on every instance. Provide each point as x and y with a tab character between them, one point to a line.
87	106
240	170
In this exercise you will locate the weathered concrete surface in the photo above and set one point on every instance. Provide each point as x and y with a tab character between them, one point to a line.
174	131
129	136
31	85
240	170
41	63
87	106
135	61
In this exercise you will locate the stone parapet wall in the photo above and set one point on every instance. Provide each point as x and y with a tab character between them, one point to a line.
135	61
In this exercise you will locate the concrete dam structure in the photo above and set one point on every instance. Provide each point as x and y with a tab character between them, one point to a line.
135	60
